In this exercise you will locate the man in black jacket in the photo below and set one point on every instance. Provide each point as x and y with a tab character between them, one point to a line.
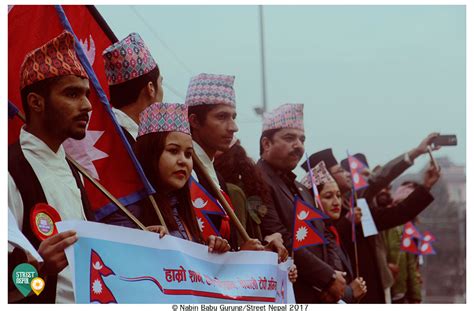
281	148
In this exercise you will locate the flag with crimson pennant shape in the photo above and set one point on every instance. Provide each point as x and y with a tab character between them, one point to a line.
426	248
99	292
204	206
409	238
356	168
428	237
304	232
410	230
409	245
104	152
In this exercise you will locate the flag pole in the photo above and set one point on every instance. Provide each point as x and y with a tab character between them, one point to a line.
317	201
221	199
106	192
356	254
157	210
97	184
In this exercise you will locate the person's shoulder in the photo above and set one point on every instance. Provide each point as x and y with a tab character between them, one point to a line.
235	190
301	187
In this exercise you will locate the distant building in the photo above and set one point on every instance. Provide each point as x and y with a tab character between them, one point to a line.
455	178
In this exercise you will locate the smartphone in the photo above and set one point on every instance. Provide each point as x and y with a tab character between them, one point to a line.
445	140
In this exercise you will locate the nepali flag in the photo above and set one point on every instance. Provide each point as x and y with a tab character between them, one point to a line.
204	206
317	199
409	239
104	152
304	232
99	292
428	237
426	248
410	230
356	168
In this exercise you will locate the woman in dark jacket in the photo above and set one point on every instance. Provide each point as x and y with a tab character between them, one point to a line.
331	202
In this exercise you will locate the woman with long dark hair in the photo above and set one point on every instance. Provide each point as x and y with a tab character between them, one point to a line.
164	149
248	191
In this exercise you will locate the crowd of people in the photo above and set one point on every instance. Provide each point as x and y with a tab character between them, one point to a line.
165	138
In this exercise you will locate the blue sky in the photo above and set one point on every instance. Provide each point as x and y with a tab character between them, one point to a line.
374	79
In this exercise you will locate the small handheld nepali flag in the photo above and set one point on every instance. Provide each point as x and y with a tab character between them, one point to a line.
317	199
356	168
426	248
304	233
409	239
204	206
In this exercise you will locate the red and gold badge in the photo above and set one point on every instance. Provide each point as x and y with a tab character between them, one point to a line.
43	218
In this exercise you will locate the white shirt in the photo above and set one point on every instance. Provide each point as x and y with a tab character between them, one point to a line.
61	191
207	162
126	122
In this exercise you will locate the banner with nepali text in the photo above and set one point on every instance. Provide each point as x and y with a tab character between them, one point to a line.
112	264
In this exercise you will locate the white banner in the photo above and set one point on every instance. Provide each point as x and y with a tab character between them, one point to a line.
112	264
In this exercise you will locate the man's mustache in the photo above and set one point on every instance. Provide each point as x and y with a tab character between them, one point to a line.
82	117
297	152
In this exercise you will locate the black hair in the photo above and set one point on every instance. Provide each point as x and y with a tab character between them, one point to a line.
125	93
268	134
42	88
236	167
201	112
148	150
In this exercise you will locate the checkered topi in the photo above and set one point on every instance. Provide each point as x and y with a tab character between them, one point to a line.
321	176
164	117
285	116
127	59
211	89
55	58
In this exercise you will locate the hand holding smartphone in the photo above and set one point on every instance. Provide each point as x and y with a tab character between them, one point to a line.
445	140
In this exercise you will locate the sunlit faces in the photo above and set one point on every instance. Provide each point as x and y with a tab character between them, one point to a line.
217	131
285	149
331	200
176	163
342	177
66	109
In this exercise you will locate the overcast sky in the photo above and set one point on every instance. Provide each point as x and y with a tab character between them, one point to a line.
374	79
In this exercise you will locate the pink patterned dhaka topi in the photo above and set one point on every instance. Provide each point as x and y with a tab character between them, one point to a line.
285	116
127	59
211	89
164	117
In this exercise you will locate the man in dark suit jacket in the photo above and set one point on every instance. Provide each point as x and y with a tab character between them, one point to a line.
371	265
281	148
